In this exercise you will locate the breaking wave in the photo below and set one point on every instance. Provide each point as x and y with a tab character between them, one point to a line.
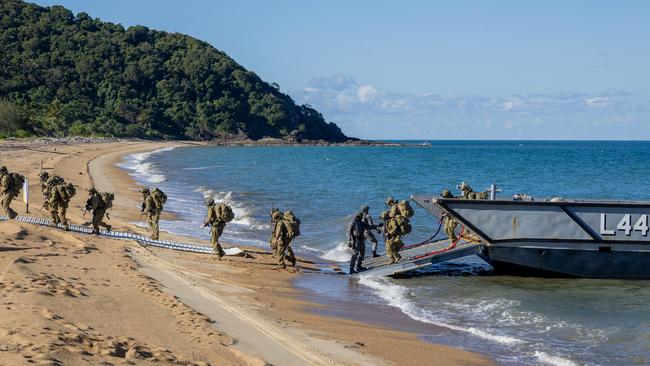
400	298
147	171
340	253
243	212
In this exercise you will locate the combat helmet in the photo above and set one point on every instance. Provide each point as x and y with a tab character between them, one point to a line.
145	191
365	208
3	169
358	215
390	201
43	176
276	215
209	202
446	194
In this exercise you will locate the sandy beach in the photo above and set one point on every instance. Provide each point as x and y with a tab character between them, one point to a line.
74	299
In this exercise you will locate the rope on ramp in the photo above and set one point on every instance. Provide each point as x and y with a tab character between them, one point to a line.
125	235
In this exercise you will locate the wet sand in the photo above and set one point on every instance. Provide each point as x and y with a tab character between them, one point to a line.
74	299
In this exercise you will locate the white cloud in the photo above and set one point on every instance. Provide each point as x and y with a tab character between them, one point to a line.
367	111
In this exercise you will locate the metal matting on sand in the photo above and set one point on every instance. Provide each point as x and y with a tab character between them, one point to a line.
124	235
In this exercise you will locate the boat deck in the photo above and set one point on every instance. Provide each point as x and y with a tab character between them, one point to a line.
420	256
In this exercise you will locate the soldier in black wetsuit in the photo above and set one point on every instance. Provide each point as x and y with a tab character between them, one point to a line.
367	219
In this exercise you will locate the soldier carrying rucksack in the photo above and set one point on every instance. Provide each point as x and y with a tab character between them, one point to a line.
285	229
58	202
10	186
47	182
218	216
98	203
397	225
152	205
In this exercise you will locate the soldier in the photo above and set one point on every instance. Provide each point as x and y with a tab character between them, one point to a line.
390	202
274	246
98	203
43	177
47	182
357	233
58	201
284	231
393	240
152	211
449	224
367	219
218	223
8	192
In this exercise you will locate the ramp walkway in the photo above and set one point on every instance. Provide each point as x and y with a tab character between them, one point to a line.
418	256
125	235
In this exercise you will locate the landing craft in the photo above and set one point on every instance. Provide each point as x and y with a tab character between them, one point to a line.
552	237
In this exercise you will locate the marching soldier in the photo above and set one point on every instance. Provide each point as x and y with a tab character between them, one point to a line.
98	203
218	216
152	206
9	189
58	201
286	228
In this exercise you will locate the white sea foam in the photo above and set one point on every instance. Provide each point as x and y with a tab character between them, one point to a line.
145	170
398	296
243	213
547	359
340	253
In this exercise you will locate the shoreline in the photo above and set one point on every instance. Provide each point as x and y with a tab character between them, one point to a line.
284	329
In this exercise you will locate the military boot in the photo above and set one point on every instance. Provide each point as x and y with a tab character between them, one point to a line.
108	228
374	254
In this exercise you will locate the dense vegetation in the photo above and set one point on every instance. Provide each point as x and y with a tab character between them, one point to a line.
73	75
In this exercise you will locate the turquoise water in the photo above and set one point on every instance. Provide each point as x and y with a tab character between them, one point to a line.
516	320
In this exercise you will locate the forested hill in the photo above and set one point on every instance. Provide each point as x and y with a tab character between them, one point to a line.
74	75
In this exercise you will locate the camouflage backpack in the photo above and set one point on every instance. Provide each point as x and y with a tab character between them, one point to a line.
224	212
405	208
403	225
107	198
16	180
159	198
63	192
292	224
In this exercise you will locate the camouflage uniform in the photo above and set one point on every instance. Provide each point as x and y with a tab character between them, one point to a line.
217	228
153	213
280	239
8	193
449	224
43	177
393	240
58	202
272	244
97	206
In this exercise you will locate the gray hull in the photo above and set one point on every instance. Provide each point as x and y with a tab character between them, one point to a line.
551	262
576	238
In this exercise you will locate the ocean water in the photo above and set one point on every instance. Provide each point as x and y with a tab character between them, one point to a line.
515	320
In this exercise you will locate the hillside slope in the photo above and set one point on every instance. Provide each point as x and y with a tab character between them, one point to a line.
73	75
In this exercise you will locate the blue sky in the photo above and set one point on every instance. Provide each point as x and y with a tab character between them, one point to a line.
433	70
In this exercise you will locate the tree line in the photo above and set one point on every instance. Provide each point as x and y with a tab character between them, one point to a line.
74	75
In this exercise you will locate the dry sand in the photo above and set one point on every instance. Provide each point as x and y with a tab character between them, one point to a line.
73	299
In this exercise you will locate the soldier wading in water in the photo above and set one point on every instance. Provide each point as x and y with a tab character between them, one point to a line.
218	216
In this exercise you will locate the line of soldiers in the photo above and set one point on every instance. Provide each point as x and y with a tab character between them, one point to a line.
395	225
